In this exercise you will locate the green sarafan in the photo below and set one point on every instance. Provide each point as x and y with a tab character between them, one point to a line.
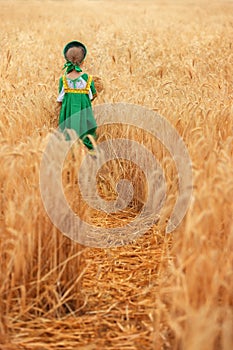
160	291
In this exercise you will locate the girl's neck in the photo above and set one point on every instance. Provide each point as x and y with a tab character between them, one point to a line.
74	74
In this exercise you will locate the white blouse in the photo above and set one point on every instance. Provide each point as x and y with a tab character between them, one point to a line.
77	84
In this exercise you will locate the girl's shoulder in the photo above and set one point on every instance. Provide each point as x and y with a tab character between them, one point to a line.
84	76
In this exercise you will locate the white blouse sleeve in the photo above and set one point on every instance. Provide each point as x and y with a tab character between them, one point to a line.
61	95
90	95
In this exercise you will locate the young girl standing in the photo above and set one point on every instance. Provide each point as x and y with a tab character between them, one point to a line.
76	91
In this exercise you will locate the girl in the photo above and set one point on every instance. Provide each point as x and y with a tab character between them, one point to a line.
76	91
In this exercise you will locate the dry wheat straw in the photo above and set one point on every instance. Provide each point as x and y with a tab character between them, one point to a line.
161	291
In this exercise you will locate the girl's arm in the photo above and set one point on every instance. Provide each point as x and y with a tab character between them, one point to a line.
59	101
61	91
93	90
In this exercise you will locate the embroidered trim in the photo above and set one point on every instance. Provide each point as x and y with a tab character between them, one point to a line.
67	89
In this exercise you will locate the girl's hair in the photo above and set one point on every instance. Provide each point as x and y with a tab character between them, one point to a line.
75	54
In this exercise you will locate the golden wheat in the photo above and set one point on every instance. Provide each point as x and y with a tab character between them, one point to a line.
162	291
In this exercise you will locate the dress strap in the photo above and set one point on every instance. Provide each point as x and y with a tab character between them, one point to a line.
77	91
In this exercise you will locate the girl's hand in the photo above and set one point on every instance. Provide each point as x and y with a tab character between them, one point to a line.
98	84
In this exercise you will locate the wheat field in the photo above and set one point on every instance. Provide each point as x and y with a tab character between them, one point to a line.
161	291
